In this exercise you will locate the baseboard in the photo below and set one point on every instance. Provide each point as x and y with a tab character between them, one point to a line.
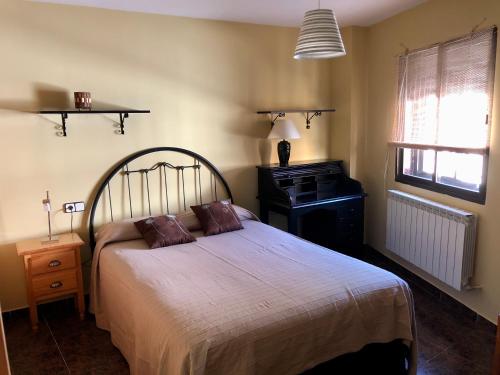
12	309
86	296
444	298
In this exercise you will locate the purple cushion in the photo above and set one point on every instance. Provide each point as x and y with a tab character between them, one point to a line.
217	217
162	231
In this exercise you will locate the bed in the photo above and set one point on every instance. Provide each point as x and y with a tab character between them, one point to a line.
252	301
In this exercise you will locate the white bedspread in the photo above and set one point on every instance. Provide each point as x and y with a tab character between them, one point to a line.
253	301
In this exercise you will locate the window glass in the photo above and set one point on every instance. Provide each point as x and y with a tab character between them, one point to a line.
460	170
419	163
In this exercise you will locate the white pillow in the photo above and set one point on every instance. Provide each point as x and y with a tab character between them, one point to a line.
125	230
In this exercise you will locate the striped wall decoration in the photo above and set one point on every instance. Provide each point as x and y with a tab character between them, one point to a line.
319	36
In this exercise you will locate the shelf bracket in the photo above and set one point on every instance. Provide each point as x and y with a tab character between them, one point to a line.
309	118
123	116
64	117
278	114
309	114
122	112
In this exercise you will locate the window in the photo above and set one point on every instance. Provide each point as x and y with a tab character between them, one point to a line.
442	129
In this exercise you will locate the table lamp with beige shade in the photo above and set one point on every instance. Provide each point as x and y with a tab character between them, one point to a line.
284	129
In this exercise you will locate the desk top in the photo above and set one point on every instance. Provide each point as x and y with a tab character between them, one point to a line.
299	163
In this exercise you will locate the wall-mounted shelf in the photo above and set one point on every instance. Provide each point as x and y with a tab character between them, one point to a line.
310	113
122	112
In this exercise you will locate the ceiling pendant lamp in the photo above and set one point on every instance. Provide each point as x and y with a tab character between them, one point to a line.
319	36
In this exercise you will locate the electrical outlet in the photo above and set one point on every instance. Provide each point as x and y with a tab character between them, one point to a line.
79	206
73	207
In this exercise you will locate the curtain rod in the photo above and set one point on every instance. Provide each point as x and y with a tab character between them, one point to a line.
454	40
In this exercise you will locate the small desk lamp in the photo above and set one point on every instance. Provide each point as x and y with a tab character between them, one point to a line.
284	129
46	208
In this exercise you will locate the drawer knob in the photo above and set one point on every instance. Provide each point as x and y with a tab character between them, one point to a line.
55	263
56	284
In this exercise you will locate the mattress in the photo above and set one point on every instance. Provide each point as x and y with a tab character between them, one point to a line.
252	301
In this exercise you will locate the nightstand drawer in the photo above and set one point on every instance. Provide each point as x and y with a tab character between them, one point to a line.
56	261
54	283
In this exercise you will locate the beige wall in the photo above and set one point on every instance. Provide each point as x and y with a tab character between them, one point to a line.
202	80
349	94
341	100
434	21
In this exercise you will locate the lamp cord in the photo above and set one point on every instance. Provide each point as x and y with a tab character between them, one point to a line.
71	221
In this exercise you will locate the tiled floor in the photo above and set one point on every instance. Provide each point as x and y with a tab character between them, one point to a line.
451	340
62	345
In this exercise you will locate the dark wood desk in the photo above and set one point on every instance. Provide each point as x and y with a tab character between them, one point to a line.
321	203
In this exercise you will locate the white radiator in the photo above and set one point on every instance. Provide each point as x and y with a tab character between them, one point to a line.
436	238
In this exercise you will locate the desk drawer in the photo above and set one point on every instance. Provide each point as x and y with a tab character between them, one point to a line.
54	283
350	209
348	226
51	262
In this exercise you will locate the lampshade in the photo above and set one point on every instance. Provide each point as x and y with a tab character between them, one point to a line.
319	36
284	129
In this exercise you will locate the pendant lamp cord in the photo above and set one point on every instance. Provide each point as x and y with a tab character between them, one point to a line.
319	4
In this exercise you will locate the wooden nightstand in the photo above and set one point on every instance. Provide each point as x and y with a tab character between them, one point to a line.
52	270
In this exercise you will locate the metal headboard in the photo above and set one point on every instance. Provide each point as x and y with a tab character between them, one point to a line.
160	167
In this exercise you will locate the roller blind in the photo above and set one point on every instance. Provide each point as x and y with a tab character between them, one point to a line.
445	95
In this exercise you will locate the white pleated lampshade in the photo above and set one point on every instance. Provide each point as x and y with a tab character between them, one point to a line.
319	36
284	129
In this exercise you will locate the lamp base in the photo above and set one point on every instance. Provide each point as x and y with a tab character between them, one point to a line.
284	152
49	240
